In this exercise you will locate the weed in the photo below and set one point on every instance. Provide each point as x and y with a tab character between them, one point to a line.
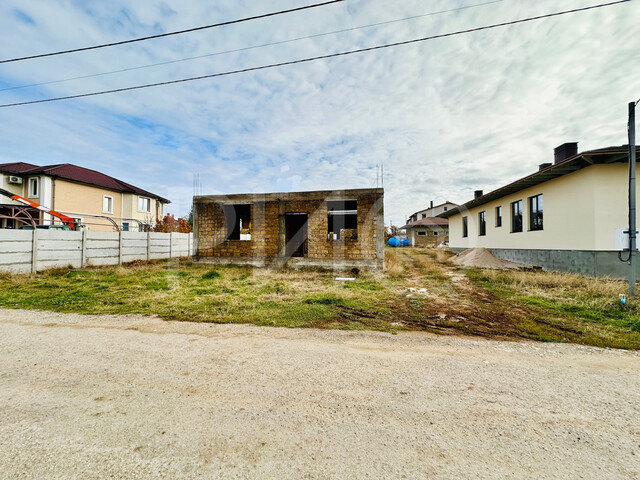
210	275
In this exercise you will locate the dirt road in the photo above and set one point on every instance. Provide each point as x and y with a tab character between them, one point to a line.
136	397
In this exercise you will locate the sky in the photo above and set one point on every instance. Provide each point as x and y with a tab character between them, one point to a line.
445	117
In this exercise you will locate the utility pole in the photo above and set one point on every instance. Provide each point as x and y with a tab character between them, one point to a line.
382	175
632	198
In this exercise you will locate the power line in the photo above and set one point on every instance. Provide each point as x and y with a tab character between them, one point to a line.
179	32
248	48
320	57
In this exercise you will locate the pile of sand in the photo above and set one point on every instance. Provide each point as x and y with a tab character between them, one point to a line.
482	258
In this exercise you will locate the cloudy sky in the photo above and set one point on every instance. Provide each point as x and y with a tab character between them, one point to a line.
445	116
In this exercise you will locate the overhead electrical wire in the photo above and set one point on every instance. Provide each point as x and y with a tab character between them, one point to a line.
168	34
169	62
320	57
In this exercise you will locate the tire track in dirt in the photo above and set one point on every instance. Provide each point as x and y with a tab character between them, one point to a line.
441	298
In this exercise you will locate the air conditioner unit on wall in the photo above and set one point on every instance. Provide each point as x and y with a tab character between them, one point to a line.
16	180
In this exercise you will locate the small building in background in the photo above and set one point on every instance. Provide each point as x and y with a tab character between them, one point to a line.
427	232
94	200
425	228
334	229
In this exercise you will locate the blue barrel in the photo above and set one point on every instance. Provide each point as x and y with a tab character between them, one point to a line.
394	242
405	242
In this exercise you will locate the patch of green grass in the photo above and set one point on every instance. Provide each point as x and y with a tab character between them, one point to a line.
323	300
369	286
194	292
566	307
210	275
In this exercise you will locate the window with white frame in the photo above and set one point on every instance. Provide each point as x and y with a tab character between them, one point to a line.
422	234
144	204
107	204
33	188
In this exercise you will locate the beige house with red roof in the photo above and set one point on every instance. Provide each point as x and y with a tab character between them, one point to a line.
95	200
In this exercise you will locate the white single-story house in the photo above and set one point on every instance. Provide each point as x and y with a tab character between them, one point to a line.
562	217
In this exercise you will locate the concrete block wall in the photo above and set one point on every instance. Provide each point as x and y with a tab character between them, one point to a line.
586	262
267	235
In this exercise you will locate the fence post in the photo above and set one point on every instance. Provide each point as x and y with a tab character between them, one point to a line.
188	244
148	246
83	258
34	251
170	243
120	247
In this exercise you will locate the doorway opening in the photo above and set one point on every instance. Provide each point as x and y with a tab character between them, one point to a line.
296	234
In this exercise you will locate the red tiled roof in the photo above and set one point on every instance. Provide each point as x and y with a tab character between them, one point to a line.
428	222
78	174
17	167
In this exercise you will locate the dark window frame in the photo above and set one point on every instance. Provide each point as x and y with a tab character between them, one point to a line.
465	227
516	216
498	216
342	215
536	209
482	223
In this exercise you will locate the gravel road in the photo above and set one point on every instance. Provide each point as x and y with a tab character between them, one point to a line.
84	397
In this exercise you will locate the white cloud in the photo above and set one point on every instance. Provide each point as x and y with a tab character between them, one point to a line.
445	117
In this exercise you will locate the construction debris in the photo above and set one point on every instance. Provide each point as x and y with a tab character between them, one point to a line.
483	258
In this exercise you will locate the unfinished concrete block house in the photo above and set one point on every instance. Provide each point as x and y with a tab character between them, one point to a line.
334	229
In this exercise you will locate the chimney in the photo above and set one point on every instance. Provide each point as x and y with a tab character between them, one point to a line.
477	194
564	151
431	204
542	166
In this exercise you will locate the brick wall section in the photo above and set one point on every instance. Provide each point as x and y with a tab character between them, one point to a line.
266	240
429	240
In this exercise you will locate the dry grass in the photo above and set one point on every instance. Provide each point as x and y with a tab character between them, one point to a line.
556	283
419	289
392	264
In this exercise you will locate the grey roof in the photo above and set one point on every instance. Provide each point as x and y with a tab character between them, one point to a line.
577	162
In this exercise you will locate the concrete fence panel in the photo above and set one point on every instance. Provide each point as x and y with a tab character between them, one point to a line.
24	251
